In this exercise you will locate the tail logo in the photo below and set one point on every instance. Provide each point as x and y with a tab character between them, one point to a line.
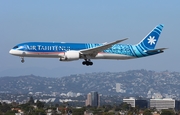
151	40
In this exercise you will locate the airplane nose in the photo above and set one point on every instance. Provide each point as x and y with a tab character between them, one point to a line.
10	51
16	52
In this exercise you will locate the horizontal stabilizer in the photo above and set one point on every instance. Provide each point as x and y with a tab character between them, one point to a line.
159	50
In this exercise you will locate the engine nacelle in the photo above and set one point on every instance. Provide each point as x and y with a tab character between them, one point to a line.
70	56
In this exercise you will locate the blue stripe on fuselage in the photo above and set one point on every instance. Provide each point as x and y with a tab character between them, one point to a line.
51	47
63	47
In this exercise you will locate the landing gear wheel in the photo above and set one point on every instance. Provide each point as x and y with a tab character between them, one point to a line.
22	60
90	63
87	63
84	62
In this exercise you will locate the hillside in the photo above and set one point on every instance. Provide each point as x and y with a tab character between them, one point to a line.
132	83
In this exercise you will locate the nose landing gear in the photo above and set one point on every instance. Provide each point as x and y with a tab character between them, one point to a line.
22	60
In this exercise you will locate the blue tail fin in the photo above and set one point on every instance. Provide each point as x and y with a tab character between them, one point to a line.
150	41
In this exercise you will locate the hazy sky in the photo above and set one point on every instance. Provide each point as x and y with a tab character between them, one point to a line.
94	21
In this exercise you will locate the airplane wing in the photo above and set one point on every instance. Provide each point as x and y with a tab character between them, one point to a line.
94	51
156	50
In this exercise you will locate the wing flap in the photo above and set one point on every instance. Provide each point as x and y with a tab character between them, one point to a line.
100	48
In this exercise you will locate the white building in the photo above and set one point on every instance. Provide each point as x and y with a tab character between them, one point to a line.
21	113
136	102
71	94
130	101
118	85
119	88
165	103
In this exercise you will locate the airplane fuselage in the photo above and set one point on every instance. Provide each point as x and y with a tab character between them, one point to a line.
56	50
88	51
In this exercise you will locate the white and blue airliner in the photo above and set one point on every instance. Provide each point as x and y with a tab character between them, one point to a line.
88	51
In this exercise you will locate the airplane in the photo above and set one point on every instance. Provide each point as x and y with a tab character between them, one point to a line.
88	51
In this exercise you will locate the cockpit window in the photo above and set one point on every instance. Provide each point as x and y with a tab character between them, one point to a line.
15	47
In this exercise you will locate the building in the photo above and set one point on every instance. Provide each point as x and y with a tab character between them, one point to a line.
93	99
119	88
88	100
130	101
136	102
99	99
166	103
19	113
118	85
141	103
88	112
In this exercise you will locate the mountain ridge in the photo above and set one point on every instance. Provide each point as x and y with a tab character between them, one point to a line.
145	83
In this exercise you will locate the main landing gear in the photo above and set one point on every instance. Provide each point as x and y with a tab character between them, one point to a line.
22	60
87	62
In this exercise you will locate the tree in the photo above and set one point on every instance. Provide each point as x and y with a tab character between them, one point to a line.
5	107
108	113
78	111
56	105
39	104
10	113
39	112
125	106
26	107
147	112
31	101
167	112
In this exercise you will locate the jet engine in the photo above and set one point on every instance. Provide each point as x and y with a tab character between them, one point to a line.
70	56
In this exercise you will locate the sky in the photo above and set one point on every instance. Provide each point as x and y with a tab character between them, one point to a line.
93	21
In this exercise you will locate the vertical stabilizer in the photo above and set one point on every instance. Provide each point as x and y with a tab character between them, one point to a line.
150	41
